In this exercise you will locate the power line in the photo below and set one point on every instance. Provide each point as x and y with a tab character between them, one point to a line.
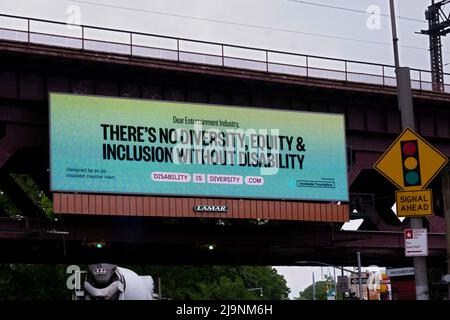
246	25
354	10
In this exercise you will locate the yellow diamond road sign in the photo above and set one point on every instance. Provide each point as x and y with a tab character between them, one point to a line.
411	162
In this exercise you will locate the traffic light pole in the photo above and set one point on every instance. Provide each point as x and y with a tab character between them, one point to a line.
359	273
405	104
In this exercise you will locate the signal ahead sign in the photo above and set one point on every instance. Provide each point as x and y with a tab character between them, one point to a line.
411	162
414	203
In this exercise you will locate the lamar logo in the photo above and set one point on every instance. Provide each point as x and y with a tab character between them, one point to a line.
208	208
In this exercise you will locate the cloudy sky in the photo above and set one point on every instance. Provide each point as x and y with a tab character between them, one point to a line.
338	28
355	30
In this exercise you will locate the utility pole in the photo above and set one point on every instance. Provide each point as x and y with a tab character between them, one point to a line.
314	287
335	284
358	254
405	104
446	200
159	289
359	273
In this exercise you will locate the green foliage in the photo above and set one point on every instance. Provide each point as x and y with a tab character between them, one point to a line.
8	206
217	282
48	282
321	290
33	282
223	289
34	192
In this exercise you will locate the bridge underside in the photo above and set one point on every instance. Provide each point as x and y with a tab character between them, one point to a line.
187	241
372	122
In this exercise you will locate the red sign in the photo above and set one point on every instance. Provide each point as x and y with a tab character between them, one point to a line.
408	234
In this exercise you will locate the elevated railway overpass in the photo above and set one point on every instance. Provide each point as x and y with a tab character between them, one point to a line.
38	57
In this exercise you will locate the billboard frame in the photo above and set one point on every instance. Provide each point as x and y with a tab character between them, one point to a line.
50	93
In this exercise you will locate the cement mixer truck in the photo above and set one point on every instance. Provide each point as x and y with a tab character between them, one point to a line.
106	281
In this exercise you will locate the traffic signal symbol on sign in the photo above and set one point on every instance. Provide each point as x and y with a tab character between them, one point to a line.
410	163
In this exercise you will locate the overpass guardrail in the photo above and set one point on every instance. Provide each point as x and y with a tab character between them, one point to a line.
146	45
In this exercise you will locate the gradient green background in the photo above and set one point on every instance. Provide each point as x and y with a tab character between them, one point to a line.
76	141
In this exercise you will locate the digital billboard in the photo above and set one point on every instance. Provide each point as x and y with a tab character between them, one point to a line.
131	146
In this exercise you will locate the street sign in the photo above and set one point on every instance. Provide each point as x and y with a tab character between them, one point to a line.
342	284
397	272
331	295
356	280
416	242
410	162
414	203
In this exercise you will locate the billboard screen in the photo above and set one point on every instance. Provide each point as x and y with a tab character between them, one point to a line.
127	146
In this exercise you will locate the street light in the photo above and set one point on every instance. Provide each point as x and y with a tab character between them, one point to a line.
342	269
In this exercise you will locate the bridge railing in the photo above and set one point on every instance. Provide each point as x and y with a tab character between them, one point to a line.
138	44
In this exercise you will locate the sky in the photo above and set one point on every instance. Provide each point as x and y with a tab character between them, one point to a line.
353	30
339	28
299	278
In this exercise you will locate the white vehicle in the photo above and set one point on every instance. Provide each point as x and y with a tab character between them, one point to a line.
109	282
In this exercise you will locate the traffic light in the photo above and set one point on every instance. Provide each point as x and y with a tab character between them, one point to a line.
410	163
96	244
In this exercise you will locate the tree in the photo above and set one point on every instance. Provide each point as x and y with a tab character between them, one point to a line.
322	288
48	282
218	282
34	193
32	190
31	282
